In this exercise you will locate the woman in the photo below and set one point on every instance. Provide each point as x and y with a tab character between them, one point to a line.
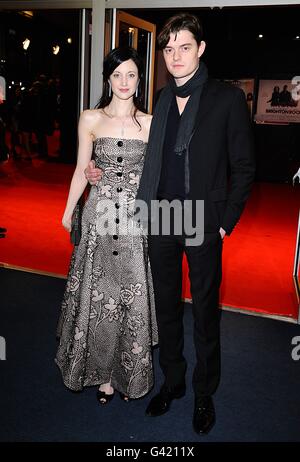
275	98
107	324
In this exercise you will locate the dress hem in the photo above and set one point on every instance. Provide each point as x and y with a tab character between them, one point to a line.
97	383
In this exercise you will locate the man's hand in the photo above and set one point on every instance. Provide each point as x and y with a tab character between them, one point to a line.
222	232
93	174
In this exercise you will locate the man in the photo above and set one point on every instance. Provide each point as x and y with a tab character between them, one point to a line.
200	137
285	97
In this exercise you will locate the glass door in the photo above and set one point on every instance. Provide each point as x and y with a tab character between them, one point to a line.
141	35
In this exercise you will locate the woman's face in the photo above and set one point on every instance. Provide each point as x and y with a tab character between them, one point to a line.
124	80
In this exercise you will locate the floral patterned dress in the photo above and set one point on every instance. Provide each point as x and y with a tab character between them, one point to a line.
107	324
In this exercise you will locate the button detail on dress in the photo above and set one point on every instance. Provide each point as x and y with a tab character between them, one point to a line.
115	237
115	252
120	144
120	159
119	174
119	189
117	206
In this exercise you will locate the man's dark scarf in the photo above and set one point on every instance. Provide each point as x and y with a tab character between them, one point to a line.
152	166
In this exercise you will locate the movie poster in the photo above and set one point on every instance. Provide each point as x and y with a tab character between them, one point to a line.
247	85
278	101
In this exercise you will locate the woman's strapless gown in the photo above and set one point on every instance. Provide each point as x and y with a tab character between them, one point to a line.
107	324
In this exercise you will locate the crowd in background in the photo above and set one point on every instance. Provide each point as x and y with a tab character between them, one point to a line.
29	115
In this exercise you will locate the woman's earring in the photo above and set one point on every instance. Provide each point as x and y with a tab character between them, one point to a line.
109	90
137	91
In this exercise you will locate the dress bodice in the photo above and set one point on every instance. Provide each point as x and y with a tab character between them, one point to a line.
119	153
121	161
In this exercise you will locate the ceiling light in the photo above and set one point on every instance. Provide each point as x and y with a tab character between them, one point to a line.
27	14
55	49
26	44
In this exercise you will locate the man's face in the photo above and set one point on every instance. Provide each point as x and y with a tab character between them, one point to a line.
182	55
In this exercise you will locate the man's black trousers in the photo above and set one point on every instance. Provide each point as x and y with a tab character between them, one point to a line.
205	272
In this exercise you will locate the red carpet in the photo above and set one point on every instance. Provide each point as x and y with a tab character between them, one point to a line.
258	257
33	202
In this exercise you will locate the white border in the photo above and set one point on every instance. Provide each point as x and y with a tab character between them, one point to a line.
65	4
194	3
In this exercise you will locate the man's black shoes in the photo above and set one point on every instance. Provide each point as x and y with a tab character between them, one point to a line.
204	415
204	412
160	404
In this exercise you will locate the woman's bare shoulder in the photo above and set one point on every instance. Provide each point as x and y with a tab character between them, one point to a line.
91	119
91	114
144	115
148	117
145	119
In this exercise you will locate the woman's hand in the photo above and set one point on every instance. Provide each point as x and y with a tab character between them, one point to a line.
67	223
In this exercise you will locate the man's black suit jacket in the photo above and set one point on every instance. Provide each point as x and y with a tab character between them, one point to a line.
221	155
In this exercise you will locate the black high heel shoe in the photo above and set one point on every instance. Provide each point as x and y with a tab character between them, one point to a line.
103	398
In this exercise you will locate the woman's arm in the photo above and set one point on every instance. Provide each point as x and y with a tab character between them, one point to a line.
79	182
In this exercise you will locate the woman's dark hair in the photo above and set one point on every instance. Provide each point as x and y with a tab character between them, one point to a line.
110	63
181	21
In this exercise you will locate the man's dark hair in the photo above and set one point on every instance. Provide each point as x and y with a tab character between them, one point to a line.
181	21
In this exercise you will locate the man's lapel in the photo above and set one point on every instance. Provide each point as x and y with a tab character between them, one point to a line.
207	101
